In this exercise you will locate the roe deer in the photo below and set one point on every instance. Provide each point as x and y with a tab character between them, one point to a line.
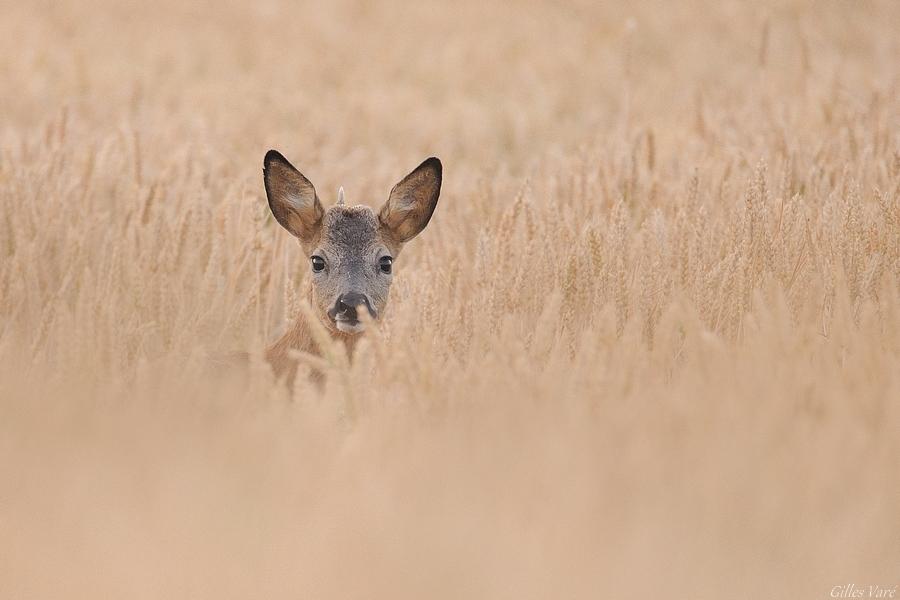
350	250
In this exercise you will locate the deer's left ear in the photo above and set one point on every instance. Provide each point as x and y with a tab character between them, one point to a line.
412	201
292	198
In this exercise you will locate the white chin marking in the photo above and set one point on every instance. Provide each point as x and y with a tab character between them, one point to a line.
350	328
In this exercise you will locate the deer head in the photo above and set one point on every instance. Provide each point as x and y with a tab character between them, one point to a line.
351	250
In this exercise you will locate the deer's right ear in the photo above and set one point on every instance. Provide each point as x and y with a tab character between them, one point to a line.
412	201
292	198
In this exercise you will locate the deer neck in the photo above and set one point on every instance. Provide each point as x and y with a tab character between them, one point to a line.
298	337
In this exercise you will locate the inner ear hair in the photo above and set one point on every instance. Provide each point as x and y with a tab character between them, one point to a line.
292	198
412	201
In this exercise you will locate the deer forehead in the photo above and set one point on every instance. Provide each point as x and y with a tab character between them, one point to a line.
351	229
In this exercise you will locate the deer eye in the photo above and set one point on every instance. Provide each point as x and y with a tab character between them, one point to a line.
318	264
385	264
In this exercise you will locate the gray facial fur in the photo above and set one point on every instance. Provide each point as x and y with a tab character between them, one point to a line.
352	245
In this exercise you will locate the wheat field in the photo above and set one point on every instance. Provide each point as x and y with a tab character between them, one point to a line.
649	345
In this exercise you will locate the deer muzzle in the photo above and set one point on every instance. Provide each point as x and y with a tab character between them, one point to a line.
344	312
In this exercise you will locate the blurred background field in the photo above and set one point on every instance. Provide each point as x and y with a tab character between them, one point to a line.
649	345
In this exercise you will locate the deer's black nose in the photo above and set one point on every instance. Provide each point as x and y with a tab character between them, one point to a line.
347	304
